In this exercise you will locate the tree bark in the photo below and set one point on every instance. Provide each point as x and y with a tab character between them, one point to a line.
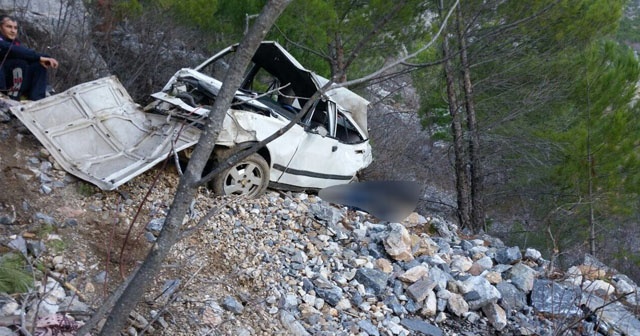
187	186
475	165
462	180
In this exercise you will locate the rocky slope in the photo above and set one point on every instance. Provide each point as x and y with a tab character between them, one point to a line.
283	264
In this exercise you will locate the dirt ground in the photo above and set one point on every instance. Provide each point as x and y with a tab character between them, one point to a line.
93	226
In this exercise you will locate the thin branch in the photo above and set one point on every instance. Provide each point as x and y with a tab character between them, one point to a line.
403	59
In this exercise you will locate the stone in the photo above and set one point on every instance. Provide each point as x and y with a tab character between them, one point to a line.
368	327
398	243
375	281
7	215
150	237
72	222
574	276
169	287
396	328
294	327
421	327
309	299
496	315
442	228
478	291
331	295
591	272
493	277
512	297
155	224
626	287
414	274
460	264
430	307
324	212
19	244
472	317
420	289
475	269
414	219
9	308
457	305
45	218
4	331
598	287
553	298
384	265
393	303
522	276
484	262
444	248
343	304
425	247
614	314
508	255
532	254
231	304
440	277
35	247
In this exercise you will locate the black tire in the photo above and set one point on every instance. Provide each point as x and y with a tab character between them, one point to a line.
249	177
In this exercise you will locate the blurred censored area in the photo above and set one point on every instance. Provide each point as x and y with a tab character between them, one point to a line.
390	201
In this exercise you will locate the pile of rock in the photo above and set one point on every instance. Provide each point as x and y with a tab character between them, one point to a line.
421	277
294	264
330	271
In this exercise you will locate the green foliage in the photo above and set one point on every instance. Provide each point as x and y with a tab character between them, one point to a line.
45	230
13	277
198	13
562	24
86	189
56	245
333	29
602	118
128	8
546	84
629	31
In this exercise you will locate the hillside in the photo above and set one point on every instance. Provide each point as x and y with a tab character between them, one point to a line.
283	264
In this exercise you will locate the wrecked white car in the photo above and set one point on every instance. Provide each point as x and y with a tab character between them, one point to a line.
96	132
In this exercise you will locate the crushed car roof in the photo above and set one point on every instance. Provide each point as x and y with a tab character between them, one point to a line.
271	56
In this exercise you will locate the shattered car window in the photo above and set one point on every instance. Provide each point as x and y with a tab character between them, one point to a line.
346	132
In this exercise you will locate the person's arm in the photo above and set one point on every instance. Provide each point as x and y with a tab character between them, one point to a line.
48	62
19	52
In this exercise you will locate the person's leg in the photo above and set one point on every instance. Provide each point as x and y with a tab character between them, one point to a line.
14	72
35	82
3	79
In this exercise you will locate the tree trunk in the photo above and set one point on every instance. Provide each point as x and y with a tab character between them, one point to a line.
187	187
462	180
475	165
339	73
590	176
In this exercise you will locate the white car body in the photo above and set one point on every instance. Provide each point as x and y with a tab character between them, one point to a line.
96	132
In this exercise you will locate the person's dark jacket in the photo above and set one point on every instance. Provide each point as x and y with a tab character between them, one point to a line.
13	49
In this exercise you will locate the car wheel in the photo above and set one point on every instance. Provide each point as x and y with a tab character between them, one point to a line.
249	177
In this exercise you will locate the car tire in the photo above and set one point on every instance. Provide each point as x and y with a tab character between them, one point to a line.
249	177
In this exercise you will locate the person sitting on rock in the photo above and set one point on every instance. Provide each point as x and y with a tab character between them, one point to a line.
23	72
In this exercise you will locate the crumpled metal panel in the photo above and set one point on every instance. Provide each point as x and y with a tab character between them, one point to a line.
96	132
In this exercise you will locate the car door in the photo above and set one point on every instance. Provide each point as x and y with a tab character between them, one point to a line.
322	159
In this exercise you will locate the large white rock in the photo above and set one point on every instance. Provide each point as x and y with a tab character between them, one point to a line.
398	243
